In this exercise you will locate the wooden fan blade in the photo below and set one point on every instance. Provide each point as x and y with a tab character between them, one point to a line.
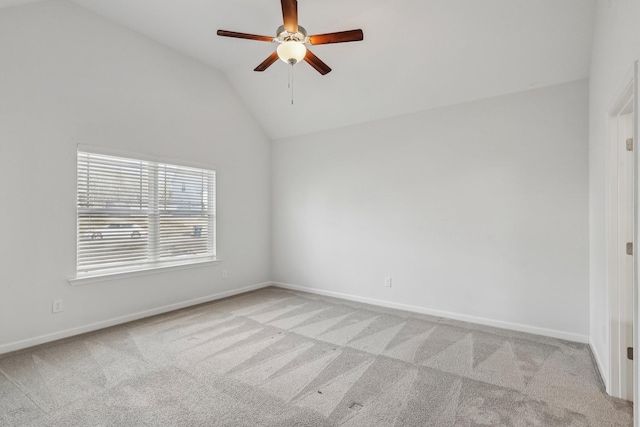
225	33
290	15
339	37
267	62
316	63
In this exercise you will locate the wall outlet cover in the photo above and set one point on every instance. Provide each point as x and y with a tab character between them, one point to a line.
56	306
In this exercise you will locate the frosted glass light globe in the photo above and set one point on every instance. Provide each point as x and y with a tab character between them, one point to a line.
292	51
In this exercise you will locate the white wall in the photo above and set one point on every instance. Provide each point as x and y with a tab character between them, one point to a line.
67	77
477	210
616	46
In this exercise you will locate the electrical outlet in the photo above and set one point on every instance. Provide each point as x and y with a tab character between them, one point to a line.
56	306
387	281
225	274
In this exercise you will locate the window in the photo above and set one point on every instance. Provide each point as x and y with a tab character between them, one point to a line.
137	214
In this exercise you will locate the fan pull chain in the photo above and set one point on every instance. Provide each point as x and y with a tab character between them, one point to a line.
291	82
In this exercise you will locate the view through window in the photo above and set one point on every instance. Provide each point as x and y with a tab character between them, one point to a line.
136	214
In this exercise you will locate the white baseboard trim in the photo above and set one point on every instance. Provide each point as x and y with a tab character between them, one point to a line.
568	336
30	342
604	374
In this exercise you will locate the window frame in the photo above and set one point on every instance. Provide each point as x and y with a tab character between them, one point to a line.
154	262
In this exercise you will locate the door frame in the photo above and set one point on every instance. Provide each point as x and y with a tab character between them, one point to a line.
636	265
627	96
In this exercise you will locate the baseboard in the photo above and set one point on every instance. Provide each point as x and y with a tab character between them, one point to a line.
42	339
604	376
568	336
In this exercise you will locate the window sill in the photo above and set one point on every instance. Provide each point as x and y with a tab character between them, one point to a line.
116	275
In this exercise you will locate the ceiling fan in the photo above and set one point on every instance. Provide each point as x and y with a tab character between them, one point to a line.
293	40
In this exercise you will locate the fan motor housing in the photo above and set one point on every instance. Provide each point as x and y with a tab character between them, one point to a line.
283	35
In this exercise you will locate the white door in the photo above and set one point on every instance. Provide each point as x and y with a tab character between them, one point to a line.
627	254
621	242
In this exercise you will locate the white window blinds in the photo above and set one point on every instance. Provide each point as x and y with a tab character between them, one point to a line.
137	214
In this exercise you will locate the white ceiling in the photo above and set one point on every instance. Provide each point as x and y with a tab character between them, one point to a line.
416	54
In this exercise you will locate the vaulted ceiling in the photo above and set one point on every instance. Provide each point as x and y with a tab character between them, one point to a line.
415	55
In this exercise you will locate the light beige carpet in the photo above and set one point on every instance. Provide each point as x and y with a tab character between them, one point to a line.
280	358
